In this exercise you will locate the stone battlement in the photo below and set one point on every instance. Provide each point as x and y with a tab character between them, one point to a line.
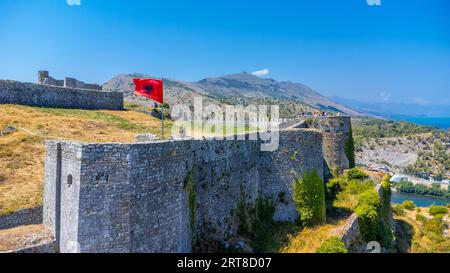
44	78
168	196
13	92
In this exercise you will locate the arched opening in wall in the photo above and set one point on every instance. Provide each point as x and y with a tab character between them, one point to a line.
69	180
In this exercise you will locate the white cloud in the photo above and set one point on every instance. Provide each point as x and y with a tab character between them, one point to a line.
420	101
385	96
73	2
261	73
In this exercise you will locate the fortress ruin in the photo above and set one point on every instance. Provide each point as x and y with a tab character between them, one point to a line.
171	196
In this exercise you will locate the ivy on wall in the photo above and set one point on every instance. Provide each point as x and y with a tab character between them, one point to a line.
309	198
350	149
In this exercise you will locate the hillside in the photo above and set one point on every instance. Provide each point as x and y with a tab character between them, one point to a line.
402	147
24	130
240	88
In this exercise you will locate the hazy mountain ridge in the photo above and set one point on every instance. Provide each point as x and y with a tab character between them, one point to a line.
396	110
241	88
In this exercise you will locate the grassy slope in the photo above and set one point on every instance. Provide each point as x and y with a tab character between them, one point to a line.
22	152
412	237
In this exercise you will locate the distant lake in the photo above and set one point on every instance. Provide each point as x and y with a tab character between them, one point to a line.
419	200
443	123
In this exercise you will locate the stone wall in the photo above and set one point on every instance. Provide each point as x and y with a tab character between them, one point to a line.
12	92
44	78
45	247
335	131
350	233
22	217
136	196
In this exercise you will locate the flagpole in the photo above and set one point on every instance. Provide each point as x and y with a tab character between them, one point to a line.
162	112
162	119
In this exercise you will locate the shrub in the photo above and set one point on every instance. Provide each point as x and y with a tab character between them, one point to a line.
409	205
358	187
357	174
386	201
332	245
368	211
435	226
438	210
350	149
309	197
399	210
333	188
421	218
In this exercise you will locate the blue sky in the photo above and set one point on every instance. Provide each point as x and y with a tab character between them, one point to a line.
396	52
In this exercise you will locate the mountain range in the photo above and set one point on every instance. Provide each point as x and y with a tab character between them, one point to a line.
393	110
241	88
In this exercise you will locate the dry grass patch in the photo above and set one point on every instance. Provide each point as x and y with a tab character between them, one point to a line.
22	151
309	239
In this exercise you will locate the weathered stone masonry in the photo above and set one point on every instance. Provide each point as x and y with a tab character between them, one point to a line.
135	197
13	92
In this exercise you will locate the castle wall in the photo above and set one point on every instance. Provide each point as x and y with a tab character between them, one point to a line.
300	150
335	131
62	192
12	92
227	172
23	217
135	197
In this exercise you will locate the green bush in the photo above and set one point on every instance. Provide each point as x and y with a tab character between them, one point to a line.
438	210
435	225
333	187
386	201
309	197
368	211
399	210
357	174
409	205
350	149
332	245
421	218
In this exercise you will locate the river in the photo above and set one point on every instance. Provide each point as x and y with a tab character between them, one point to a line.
419	200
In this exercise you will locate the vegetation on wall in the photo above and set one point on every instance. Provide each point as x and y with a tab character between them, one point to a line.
373	216
309	198
350	149
343	190
332	245
368	211
386	198
357	174
257	225
189	186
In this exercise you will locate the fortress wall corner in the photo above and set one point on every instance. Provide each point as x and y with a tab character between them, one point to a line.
159	215
336	131
61	194
300	150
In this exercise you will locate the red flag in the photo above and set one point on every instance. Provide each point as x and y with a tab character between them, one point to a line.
149	88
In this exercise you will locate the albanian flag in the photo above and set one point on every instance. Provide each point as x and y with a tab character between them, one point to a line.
149	88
